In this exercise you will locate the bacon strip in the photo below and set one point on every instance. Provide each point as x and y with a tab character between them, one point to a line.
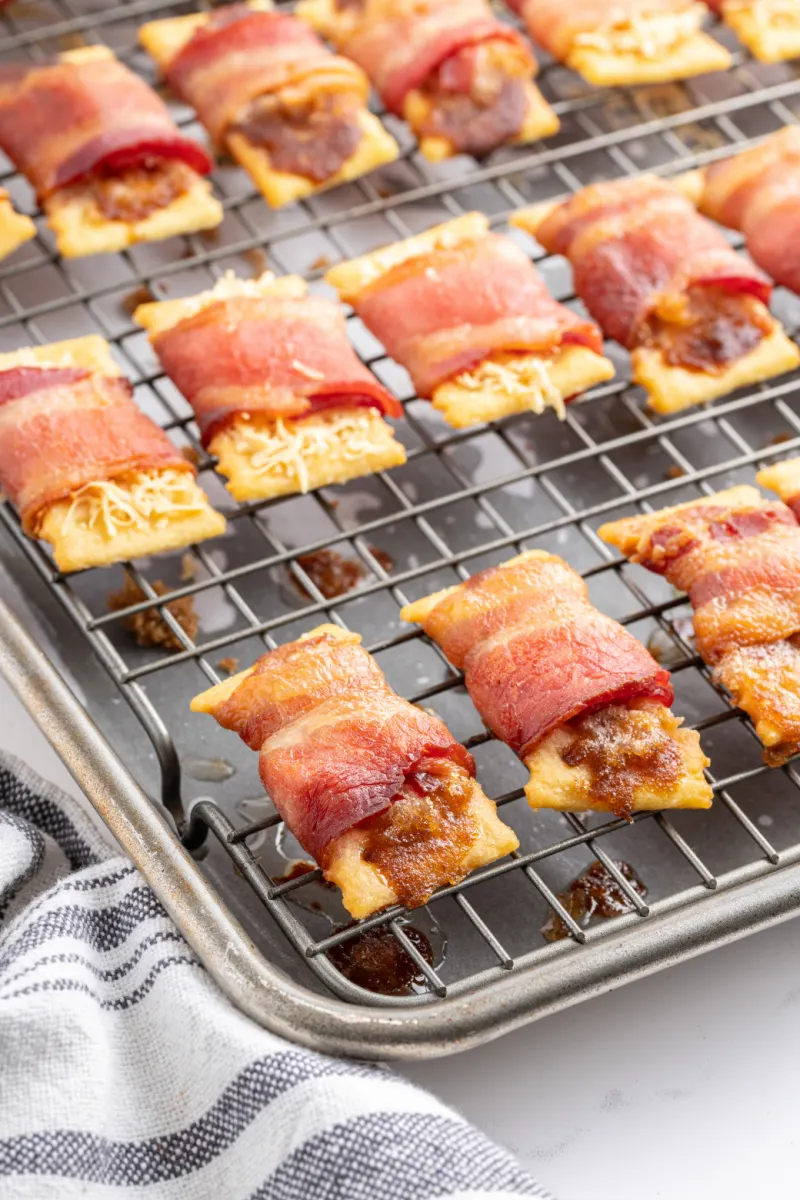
535	652
241	54
276	355
636	244
758	192
336	743
400	45
63	428
61	120
446	311
737	556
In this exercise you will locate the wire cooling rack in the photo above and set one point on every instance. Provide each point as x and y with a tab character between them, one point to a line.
465	500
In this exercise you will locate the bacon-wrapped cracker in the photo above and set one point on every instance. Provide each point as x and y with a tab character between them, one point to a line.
466	313
664	283
576	696
374	788
737	556
618	42
89	472
461	78
110	166
15	229
293	114
758	193
279	394
769	28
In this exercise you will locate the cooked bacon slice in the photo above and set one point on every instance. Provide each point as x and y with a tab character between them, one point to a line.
241	54
364	780
758	192
62	428
737	556
534	650
443	312
61	120
277	355
578	698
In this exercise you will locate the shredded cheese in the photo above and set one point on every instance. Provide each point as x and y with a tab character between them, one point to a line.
524	376
766	14
141	500
647	34
284	447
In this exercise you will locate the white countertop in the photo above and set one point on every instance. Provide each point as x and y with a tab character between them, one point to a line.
681	1086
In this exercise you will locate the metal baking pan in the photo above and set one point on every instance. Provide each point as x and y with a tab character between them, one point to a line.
184	799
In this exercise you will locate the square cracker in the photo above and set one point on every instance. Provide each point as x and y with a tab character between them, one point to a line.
540	122
15	229
77	548
671	389
364	890
165	38
263	458
769	34
697	55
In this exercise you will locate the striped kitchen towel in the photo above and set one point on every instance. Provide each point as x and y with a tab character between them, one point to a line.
124	1069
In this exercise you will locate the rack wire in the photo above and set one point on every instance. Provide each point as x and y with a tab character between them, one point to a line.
465	500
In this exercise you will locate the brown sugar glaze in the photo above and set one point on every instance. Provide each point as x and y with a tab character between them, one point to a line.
420	841
314	140
594	894
375	960
333	573
137	192
478	103
622	756
707	329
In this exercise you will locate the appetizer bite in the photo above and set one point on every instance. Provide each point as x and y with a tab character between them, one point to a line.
758	193
466	313
15	229
769	28
577	697
109	165
280	395
374	788
88	471
291	113
737	556
664	283
461	78
618	42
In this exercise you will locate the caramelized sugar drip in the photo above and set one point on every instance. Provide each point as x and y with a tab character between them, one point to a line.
594	894
623	750
148	626
333	573
375	960
137	192
314	140
420	841
707	329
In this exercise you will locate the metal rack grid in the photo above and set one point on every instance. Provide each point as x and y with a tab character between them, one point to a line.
464	500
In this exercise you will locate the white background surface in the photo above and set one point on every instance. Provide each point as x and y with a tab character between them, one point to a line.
681	1087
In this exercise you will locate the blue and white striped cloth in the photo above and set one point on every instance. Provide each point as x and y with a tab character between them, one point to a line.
124	1069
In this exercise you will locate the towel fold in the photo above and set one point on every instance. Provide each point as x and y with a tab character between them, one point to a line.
124	1068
